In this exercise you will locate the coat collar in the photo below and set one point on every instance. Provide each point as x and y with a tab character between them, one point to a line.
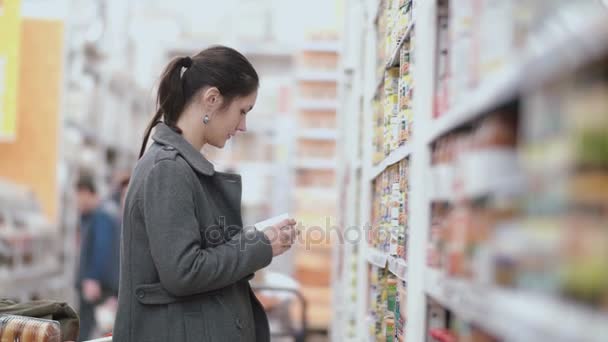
164	135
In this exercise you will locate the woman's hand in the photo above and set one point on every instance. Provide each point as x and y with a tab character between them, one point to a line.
281	236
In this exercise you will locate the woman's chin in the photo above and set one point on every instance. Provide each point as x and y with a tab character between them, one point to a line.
218	145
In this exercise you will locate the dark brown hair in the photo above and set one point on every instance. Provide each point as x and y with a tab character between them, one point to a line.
86	183
218	66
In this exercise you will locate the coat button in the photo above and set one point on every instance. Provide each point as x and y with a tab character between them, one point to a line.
239	323
140	294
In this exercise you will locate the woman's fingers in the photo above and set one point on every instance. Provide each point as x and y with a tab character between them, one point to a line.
282	236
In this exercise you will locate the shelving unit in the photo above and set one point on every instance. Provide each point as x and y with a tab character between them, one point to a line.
316	166
508	313
30	262
554	67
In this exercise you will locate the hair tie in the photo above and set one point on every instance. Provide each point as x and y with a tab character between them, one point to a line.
186	62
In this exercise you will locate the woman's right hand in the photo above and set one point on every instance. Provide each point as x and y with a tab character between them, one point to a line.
282	236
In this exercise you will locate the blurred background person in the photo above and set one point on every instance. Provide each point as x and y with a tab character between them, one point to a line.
98	270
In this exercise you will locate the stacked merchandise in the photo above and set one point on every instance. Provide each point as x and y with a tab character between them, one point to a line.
406	92
520	196
381	33
388	300
478	40
398	14
564	150
444	326
389	211
392	121
378	139
442	61
393	113
475	178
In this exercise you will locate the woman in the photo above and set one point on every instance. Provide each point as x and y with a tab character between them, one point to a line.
185	259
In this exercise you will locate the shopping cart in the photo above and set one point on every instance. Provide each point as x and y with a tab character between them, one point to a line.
283	326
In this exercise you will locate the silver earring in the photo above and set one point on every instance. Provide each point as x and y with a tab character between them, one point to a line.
206	119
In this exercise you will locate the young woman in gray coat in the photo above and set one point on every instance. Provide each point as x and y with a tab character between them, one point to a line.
186	260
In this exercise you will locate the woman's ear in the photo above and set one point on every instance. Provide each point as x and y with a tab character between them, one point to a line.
212	98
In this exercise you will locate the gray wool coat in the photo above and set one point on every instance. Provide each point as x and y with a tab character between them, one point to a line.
186	261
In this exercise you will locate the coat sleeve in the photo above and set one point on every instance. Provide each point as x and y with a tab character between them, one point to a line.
184	266
101	235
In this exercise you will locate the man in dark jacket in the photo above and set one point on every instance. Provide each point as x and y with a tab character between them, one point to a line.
97	276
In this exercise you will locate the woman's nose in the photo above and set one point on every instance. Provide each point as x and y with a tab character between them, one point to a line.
243	125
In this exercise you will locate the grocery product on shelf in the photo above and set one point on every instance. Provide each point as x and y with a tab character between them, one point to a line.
564	149
381	33
406	89
445	326
393	113
479	40
526	207
392	123
463	52
378	139
442	78
389	211
401	310
387	301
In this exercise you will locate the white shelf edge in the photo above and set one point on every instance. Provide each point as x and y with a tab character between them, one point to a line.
532	69
312	163
321	192
376	257
394	157
505	312
313	104
394	59
318	134
494	92
321	46
318	76
398	267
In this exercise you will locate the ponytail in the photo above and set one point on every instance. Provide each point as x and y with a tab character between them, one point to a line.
217	66
171	98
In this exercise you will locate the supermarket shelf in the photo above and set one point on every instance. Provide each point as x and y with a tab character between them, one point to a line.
516	316
312	104
376	257
398	267
317	192
319	134
322	46
394	58
536	67
317	76
493	93
262	124
396	156
358	164
321	164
